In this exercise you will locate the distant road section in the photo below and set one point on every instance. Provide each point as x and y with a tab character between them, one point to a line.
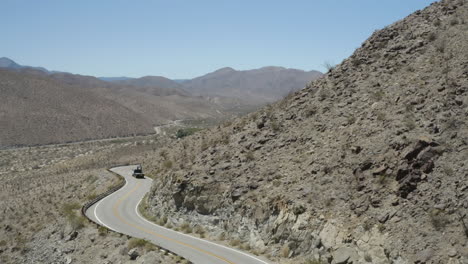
119	212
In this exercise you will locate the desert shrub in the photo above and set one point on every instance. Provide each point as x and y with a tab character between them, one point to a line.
91	196
382	179
381	116
199	230
436	23
285	251
274	126
432	36
235	242
91	178
311	111
224	139
162	221
323	94
69	208
249	156
204	145
163	153
453	22
439	219
381	227
184	132
222	236
76	221
102	231
276	183
329	66
377	95
351	120
355	61
368	258
186	228
167	164
245	246
440	45
448	170
409	122
137	243
367	225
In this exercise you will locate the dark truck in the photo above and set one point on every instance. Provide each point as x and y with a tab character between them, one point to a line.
138	172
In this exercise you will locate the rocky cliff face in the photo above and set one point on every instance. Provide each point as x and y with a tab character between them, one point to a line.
366	164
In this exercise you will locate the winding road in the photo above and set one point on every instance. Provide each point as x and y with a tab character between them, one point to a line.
119	212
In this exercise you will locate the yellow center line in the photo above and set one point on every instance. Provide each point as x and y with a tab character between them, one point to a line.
117	214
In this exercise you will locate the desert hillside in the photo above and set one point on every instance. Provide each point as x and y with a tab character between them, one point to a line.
365	165
36	109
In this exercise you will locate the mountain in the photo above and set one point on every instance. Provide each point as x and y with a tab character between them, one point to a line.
367	164
10	64
37	109
7	63
151	100
180	80
256	86
141	107
157	85
114	79
157	105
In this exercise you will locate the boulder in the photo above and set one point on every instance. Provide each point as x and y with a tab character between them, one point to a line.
133	254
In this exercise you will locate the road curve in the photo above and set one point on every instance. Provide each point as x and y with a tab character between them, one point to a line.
119	212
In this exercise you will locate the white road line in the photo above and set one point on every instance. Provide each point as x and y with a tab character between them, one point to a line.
97	205
235	250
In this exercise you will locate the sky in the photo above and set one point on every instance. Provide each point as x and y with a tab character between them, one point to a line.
182	39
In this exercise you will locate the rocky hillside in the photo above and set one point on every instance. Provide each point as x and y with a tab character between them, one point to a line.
36	109
258	86
365	165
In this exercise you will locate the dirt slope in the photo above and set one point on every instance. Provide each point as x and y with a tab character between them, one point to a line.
365	165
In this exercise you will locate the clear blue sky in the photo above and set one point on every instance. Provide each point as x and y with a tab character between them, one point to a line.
184	39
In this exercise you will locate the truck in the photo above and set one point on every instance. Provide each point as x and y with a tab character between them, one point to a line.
138	172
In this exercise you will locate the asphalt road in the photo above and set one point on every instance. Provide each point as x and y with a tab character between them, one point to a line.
119	212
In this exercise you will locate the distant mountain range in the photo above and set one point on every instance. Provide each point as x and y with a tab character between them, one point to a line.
35	101
113	79
10	64
256	86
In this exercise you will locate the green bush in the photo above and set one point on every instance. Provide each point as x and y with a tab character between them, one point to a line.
184	132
